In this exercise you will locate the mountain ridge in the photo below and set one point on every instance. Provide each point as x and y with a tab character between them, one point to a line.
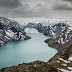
49	30
10	30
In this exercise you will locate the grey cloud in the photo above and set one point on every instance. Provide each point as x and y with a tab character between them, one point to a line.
63	8
34	12
35	8
63	5
68	0
27	10
38	5
47	14
10	3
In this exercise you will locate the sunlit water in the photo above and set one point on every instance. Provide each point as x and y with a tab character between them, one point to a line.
18	52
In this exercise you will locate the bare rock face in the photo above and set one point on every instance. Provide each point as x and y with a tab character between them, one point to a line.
11	30
37	66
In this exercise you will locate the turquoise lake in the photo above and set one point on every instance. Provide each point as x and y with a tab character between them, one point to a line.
19	52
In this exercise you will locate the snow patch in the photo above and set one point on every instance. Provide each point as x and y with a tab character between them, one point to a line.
70	58
64	64
62	41
63	70
9	33
70	68
58	61
64	60
70	27
35	65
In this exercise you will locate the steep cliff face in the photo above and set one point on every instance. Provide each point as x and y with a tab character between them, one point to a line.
11	31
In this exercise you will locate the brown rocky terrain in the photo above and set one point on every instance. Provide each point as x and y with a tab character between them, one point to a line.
37	66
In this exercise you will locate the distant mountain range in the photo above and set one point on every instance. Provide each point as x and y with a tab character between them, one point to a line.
49	30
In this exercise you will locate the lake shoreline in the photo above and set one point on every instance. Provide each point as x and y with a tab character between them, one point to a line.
23	63
28	37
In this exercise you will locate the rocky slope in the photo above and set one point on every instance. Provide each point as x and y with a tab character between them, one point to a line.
62	39
48	30
37	66
11	31
63	43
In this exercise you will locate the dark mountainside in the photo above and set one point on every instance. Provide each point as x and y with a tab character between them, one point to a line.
11	31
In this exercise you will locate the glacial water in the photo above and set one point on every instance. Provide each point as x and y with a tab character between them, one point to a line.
18	52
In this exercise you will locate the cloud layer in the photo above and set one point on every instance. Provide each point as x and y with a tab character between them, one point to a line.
10	3
35	8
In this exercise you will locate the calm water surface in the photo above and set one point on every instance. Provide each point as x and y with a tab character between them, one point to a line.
18	52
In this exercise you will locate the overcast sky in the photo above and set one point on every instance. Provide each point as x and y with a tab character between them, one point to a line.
36	8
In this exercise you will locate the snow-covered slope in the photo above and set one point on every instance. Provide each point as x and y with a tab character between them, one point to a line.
10	30
64	36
